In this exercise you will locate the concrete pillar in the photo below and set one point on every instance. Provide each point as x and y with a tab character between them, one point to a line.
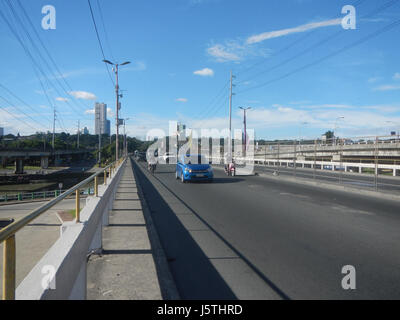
359	169
19	166
394	172
44	162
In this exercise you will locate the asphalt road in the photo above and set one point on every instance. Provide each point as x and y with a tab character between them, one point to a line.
251	237
365	181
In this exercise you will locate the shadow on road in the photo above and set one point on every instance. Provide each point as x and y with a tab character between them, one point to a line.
194	275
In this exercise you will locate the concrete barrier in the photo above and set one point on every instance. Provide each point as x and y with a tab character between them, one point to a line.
61	273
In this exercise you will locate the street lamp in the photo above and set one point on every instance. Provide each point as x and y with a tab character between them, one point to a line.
117	106
334	129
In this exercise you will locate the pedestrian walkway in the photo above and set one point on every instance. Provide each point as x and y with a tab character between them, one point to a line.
125	269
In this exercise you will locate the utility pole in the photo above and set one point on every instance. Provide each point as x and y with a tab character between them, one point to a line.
117	120
125	139
245	132
230	119
117	107
99	126
124	145
54	127
78	132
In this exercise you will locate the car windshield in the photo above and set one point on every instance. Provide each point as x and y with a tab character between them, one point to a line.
195	159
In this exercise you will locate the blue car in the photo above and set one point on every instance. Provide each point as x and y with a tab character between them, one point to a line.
193	168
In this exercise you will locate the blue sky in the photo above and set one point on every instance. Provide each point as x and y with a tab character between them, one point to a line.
182	52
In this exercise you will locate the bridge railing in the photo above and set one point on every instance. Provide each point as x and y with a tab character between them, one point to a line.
39	195
7	234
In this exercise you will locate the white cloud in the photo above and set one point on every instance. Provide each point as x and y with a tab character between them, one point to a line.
62	99
223	53
90	111
388	87
284	32
83	95
236	50
396	76
184	100
374	79
206	72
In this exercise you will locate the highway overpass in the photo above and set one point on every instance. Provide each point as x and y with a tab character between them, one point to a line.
20	156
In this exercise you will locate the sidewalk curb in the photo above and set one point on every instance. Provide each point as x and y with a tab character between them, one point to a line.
167	283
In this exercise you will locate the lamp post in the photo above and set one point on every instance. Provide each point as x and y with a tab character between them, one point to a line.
116	65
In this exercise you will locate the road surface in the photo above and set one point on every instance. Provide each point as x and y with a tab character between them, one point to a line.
365	181
254	238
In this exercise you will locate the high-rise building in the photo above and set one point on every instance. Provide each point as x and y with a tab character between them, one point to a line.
85	130
1	132
100	120
108	128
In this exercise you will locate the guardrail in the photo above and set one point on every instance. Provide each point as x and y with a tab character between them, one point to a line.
7	234
38	195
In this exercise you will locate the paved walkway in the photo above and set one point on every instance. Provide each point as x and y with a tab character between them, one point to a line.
125	270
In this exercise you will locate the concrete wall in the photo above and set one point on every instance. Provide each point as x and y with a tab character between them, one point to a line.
65	262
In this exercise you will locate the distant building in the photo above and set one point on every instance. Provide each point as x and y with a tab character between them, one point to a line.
1	132
108	128
100	120
85	130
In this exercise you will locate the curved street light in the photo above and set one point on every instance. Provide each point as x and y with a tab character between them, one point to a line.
117	104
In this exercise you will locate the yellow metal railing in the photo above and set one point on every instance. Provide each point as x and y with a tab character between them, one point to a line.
7	234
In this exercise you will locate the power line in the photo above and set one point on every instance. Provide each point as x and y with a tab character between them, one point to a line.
16	118
345	48
21	111
99	41
319	43
213	101
49	55
105	30
41	56
286	47
20	100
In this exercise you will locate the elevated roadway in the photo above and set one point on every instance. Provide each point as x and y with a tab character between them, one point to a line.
255	238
